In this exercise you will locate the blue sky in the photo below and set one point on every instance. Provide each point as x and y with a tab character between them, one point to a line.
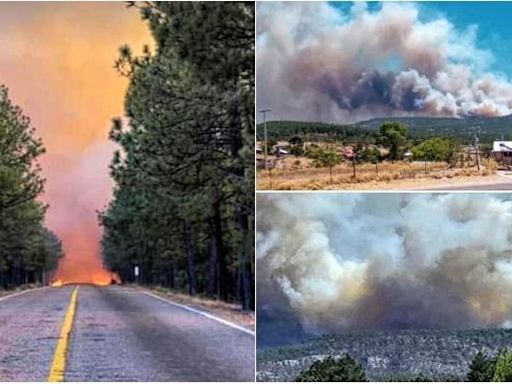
493	19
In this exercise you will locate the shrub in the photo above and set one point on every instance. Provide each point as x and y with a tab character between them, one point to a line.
481	368
297	150
503	369
436	149
331	369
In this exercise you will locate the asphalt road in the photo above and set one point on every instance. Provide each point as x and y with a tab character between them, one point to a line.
119	334
479	187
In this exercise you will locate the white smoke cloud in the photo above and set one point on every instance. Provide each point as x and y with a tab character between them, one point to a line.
316	63
381	261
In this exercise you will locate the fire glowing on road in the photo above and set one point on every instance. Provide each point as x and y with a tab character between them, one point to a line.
71	92
99	279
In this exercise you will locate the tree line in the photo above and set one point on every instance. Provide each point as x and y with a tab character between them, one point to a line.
29	252
482	368
182	210
420	128
391	136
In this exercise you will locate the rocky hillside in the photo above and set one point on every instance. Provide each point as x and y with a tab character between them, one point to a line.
388	355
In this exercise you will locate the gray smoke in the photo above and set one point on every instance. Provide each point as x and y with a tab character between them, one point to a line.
316	63
385	261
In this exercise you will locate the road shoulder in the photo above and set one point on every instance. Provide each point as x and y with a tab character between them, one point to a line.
226	311
5	294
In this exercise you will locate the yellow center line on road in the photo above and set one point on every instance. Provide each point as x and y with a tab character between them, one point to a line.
58	366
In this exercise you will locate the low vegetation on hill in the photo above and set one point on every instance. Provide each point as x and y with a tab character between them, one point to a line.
406	355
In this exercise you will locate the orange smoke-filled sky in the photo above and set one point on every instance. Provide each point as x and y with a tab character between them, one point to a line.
57	60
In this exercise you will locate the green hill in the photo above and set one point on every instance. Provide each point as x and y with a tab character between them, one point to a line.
489	128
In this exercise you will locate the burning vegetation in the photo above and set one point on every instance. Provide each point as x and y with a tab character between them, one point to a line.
102	279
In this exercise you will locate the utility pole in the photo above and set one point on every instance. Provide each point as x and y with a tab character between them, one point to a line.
477	130
264	112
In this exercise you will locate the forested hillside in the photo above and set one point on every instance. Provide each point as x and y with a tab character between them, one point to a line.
463	129
389	355
183	202
28	251
488	128
315	131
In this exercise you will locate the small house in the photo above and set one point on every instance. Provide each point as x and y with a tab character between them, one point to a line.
502	152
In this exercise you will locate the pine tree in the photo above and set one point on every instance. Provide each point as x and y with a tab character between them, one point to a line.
183	203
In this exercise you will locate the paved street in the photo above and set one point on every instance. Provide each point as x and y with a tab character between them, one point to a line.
119	334
479	187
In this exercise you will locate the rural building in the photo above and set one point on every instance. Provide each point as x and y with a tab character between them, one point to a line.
349	153
502	152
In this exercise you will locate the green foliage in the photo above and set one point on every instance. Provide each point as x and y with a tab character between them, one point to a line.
297	146
410	355
20	179
334	370
460	129
418	129
296	140
297	150
436	149
312	131
393	136
503	370
370	155
313	151
327	157
27	250
481	368
182	208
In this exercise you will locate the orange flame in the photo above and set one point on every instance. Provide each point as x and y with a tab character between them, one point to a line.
57	283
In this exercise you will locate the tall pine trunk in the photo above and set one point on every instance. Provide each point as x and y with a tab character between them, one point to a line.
189	249
221	257
213	264
246	292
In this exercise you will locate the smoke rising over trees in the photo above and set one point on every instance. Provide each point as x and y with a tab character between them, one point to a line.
183	201
384	261
28	251
319	63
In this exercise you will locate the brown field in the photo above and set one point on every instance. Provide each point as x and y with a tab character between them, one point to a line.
295	173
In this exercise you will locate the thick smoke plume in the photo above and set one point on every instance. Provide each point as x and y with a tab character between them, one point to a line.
384	261
315	62
57	60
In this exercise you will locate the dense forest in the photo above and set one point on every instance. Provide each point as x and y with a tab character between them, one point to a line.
311	131
183	204
419	128
28	251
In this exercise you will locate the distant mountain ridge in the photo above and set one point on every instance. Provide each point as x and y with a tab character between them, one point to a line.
446	125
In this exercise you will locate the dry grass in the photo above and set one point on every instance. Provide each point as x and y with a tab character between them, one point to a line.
228	311
308	178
